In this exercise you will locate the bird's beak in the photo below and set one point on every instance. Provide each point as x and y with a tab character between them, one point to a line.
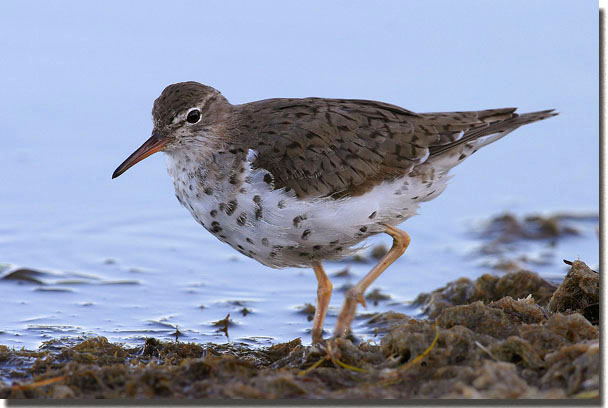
156	143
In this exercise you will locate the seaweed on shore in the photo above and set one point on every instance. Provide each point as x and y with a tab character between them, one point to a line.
516	336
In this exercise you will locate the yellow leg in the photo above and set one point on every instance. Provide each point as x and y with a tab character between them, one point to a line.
354	295
323	296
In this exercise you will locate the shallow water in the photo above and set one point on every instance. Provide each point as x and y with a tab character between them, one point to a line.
153	274
120	258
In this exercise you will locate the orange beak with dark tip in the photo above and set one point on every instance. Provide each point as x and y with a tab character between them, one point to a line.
156	143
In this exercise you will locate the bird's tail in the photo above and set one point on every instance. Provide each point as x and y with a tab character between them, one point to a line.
499	122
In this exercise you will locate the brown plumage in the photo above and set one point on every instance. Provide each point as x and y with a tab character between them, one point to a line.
321	147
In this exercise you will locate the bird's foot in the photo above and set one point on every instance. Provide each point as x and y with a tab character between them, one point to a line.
329	350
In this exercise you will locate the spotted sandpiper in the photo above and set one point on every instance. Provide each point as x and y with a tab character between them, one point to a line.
292	182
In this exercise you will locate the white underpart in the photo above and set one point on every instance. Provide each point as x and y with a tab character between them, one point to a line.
331	223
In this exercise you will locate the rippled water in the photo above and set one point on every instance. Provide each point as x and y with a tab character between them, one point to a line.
121	259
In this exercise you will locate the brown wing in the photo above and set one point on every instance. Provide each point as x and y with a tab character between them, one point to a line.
320	147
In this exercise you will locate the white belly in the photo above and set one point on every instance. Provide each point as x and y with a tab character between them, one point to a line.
279	230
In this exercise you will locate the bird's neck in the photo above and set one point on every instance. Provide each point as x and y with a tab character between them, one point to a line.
205	174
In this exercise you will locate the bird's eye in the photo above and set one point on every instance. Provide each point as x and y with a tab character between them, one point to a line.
193	116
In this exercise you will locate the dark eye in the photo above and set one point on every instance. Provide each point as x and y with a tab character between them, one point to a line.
194	116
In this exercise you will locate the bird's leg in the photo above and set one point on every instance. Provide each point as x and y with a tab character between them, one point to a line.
323	296
354	295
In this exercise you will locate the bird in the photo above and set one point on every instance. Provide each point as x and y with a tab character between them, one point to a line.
294	182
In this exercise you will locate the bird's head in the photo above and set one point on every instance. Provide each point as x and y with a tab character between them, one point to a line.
185	114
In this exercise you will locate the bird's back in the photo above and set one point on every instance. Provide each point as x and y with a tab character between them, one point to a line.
321	147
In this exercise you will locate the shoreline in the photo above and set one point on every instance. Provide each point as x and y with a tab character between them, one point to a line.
514	336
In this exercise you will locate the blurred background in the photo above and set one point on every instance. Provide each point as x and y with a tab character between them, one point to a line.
120	258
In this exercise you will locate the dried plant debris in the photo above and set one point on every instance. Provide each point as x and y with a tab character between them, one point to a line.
507	227
486	288
223	324
378	251
579	292
491	338
343	273
375	296
307	309
369	256
24	275
510	241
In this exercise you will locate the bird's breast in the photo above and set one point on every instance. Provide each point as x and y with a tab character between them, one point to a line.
279	229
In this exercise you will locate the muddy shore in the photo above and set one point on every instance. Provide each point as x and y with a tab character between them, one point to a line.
514	336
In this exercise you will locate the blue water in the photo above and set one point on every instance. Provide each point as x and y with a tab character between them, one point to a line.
122	259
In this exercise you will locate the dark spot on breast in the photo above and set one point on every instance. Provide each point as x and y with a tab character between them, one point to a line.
297	221
415	198
241	219
267	178
303	254
282	204
213	213
258	207
272	254
240	247
339	249
252	253
372	215
265	241
249	240
363	229
317	247
208	191
305	234
231	207
215	227
243	190
290	247
279	247
222	206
